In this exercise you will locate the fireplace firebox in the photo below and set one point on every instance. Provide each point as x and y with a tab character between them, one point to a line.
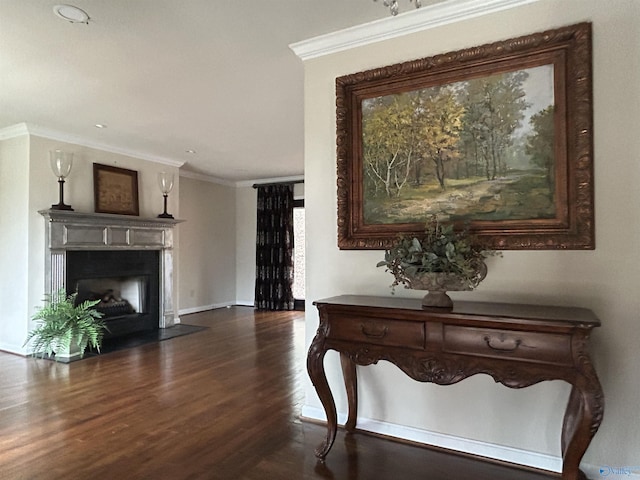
126	283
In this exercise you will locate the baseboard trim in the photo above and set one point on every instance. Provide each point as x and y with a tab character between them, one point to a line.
14	349
245	303
204	308
450	442
492	452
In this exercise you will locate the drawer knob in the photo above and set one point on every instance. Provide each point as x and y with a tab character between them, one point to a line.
502	345
372	332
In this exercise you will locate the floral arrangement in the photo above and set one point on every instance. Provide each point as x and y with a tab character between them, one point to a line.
441	250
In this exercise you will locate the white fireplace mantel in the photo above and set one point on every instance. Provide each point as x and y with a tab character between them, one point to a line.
68	230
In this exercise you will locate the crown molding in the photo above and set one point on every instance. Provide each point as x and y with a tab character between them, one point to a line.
13	131
38	131
251	183
238	184
425	18
206	178
32	129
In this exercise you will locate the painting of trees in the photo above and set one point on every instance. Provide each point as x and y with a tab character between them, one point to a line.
441	120
540	144
389	142
496	106
460	150
401	132
497	137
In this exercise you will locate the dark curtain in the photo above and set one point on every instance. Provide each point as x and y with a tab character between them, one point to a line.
274	248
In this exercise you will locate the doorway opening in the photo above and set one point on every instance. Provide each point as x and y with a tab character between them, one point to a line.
298	254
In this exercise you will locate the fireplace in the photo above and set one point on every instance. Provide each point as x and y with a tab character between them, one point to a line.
125	261
125	282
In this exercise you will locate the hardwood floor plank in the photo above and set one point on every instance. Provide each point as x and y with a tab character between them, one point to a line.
223	403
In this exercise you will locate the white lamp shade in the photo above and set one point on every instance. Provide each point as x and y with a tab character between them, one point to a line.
165	181
61	163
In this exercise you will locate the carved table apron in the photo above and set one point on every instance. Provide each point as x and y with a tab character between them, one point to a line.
517	345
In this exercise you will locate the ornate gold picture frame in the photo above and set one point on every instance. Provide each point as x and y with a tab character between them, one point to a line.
498	138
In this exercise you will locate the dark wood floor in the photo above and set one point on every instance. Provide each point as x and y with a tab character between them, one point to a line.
223	403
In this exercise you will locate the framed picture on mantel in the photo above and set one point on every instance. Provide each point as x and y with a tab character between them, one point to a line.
115	190
496	138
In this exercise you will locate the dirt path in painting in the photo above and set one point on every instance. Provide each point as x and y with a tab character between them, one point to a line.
487	198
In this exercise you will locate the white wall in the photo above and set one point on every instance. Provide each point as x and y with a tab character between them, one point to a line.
31	186
246	224
14	230
207	245
604	280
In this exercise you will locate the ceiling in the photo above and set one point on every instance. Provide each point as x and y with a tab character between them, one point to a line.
166	76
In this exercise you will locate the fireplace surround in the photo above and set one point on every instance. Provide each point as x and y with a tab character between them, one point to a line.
132	257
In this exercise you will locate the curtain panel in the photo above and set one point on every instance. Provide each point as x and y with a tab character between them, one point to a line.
274	248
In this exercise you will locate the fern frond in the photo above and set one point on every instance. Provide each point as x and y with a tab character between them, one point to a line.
60	322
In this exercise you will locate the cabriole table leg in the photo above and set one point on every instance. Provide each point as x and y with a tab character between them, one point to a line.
581	421
351	384
315	367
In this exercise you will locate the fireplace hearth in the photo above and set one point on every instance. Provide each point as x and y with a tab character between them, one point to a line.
126	262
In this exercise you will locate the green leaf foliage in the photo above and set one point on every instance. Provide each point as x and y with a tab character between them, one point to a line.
440	250
60	322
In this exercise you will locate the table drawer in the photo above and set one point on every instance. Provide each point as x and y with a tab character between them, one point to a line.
396	333
516	345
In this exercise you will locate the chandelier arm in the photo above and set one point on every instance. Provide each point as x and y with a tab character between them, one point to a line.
393	5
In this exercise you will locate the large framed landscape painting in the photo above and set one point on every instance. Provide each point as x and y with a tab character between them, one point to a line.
496	139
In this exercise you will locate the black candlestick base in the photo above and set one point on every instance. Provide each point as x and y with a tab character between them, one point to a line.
165	214
61	206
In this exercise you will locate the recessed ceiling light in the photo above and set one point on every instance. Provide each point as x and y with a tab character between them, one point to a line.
71	14
190	151
100	125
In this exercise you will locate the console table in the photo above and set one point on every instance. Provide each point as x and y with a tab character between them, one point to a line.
517	345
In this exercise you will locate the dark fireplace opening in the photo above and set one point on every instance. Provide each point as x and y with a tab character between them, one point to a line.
123	295
125	281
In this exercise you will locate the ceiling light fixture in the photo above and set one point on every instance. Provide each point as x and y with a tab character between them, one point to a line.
100	125
71	14
393	5
190	151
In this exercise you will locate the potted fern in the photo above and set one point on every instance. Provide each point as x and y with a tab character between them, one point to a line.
442	260
64	329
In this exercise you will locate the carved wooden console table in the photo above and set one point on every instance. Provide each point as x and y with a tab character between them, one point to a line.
517	345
